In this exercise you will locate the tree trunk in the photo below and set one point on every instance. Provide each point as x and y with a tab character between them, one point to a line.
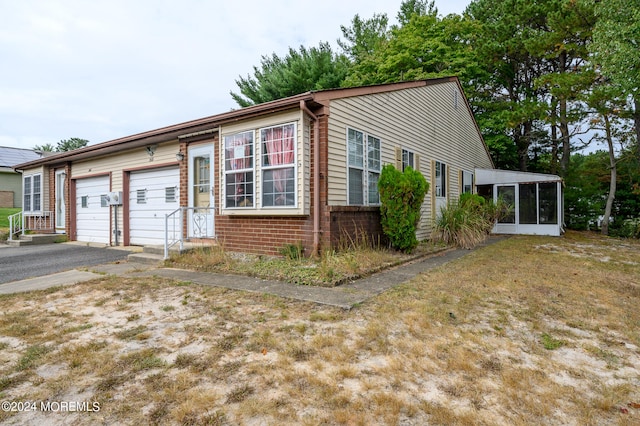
564	121
636	123
523	142
564	132
554	137
612	185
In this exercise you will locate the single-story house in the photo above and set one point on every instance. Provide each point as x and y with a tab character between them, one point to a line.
10	179
299	170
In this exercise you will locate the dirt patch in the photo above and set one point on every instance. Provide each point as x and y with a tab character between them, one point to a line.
519	332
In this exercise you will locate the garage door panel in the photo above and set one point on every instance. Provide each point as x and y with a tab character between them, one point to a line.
92	211
152	195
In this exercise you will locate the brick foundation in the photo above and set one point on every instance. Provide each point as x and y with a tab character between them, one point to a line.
351	224
263	235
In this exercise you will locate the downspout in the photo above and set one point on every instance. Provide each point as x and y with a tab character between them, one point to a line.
316	177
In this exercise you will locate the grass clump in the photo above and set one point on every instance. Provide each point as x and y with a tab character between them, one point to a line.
31	357
550	343
468	221
354	258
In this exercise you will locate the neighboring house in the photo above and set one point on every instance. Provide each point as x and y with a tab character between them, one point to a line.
303	169
10	180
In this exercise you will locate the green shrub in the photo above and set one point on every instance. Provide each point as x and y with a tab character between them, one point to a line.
468	221
401	197
630	228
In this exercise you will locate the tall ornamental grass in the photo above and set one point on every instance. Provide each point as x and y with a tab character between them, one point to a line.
468	221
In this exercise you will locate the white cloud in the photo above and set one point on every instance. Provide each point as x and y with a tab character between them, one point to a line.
101	69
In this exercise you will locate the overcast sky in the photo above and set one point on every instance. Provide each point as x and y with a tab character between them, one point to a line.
100	70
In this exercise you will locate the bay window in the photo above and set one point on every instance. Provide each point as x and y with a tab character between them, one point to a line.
261	175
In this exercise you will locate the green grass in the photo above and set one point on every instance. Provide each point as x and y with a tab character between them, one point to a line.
4	216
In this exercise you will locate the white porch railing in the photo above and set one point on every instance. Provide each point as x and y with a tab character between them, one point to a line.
174	229
21	222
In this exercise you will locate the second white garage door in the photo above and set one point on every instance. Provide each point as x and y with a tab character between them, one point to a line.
92	210
152	194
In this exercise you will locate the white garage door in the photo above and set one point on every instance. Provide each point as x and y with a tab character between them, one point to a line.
152	194
92	210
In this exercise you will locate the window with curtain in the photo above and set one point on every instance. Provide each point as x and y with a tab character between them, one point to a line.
238	170
278	165
364	165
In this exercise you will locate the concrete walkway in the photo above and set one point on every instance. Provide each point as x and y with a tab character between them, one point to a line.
345	296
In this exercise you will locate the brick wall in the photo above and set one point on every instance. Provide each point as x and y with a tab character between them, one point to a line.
349	224
263	235
6	199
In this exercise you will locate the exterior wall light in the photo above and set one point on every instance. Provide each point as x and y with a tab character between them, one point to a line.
179	156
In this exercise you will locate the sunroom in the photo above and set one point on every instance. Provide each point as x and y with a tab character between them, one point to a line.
537	201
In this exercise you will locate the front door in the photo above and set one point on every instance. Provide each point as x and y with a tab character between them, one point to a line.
201	197
60	202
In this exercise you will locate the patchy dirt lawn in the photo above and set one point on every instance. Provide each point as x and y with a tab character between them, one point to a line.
530	330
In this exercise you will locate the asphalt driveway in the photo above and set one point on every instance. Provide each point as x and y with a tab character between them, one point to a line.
19	263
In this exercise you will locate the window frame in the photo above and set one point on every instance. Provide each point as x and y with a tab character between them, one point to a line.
408	159
249	201
463	184
291	165
29	194
369	166
440	187
269	192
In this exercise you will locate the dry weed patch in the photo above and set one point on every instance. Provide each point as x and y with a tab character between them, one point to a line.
530	330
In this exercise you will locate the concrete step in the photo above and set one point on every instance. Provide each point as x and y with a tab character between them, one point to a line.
33	239
175	249
146	258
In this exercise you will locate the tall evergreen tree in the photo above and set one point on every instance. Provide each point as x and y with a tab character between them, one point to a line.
616	51
299	71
